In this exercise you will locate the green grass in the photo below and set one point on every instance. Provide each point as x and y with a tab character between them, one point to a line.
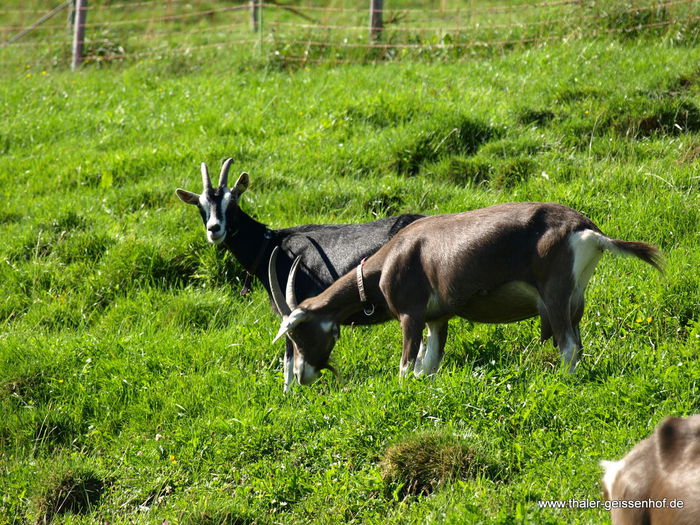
136	385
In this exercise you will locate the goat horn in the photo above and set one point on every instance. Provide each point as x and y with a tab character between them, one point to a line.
206	181
291	321
290	296
277	296
223	178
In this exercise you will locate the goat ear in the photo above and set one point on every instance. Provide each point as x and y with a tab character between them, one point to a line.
241	184
291	321
671	440
187	196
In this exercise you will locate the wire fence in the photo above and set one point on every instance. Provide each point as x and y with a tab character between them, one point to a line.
336	31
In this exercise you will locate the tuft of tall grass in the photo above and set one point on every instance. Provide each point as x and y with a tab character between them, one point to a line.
420	463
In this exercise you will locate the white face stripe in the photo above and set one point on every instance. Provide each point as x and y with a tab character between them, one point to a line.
215	215
225	201
204	204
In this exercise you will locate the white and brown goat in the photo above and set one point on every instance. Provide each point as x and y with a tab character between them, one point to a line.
500	264
658	482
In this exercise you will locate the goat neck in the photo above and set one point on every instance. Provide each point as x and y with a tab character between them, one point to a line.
246	240
342	299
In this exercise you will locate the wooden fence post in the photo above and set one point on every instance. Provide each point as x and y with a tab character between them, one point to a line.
254	13
79	32
375	20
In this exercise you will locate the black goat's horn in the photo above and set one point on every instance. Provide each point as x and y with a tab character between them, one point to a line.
223	178
206	181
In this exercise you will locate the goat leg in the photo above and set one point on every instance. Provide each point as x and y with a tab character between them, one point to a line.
437	336
412	328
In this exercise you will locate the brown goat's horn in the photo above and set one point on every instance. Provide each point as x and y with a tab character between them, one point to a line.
290	296
206	181
277	295
223	178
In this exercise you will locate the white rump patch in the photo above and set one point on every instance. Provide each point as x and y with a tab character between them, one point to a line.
611	469
587	246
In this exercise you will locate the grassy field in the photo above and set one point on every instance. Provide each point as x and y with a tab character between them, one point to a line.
136	385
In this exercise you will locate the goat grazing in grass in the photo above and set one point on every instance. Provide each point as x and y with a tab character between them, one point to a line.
499	264
326	251
658	482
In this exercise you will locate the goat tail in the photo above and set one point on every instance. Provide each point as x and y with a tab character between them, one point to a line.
641	250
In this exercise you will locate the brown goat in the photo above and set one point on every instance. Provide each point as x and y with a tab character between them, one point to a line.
499	264
658	482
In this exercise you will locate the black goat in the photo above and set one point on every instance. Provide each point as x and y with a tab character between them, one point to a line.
326	251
